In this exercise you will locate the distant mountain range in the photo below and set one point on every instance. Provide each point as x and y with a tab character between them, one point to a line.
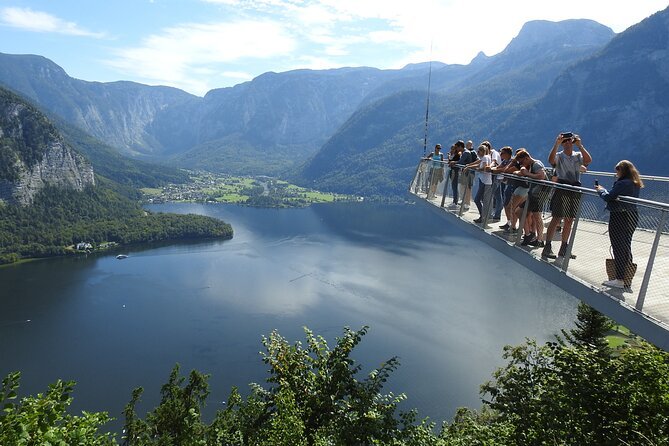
360	130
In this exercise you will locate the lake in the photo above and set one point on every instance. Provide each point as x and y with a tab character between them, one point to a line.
444	302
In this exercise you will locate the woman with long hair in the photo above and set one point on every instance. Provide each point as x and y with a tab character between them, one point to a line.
623	219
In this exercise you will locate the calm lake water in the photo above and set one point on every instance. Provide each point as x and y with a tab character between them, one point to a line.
444	302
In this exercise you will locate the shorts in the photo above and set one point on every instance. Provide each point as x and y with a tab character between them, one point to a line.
521	191
565	203
508	193
537	199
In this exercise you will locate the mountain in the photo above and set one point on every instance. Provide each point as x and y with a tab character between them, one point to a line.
469	105
278	118
617	101
285	116
33	155
50	199
119	113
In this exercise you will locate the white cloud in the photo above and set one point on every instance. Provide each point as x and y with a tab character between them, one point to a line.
38	21
263	35
177	55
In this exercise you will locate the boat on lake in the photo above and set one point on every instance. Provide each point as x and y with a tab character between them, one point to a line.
122	256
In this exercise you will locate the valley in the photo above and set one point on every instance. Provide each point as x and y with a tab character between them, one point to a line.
260	191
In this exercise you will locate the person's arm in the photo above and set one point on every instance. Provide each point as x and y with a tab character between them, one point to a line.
551	156
620	187
540	175
587	159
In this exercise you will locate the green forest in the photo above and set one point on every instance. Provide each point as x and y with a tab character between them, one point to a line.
60	218
576	390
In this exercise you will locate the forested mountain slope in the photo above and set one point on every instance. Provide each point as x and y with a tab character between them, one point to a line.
50	199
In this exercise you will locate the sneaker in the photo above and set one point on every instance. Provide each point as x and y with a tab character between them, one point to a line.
563	251
537	243
478	220
505	226
495	220
513	230
615	283
528	239
547	253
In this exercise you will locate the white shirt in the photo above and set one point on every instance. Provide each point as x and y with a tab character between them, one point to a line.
485	177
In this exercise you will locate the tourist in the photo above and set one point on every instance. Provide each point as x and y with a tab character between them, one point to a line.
436	170
497	195
482	167
520	190
565	203
506	185
458	148
466	178
536	198
623	220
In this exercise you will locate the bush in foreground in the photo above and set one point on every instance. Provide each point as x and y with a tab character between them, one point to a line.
571	392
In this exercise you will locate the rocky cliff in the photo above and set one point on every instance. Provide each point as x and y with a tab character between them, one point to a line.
33	154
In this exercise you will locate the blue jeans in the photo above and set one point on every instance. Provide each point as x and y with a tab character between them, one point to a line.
482	194
454	184
498	198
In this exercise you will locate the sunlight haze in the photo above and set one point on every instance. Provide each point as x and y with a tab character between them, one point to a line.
201	45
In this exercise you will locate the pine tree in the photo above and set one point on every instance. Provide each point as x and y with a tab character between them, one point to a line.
591	330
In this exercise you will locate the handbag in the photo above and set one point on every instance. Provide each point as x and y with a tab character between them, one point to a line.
630	271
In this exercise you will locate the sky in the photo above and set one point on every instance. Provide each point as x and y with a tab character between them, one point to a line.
199	45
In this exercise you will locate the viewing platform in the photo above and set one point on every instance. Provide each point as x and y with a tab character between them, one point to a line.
643	307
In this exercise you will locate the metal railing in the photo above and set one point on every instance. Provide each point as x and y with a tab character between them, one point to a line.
589	243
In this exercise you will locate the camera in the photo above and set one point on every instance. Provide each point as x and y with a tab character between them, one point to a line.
567	135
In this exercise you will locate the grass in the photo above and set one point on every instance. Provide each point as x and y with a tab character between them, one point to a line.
223	188
152	191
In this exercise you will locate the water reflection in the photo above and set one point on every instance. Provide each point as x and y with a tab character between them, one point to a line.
445	303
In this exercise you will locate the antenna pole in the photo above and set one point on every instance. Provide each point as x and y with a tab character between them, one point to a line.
427	105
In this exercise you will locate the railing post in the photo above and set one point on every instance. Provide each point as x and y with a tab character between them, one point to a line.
649	267
488	202
447	172
572	236
521	222
416	178
464	174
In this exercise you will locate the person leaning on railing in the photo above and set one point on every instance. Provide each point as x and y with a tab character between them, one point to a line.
454	172
482	167
436	170
623	218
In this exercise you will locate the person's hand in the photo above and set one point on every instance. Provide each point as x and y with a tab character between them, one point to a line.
559	139
523	171
577	140
599	187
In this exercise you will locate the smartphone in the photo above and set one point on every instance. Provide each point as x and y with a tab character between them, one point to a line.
596	183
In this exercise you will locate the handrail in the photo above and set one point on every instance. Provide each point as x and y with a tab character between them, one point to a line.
585	190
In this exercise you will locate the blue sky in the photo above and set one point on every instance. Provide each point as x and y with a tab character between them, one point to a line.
198	45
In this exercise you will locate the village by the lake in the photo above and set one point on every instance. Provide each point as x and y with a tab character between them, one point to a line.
263	191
